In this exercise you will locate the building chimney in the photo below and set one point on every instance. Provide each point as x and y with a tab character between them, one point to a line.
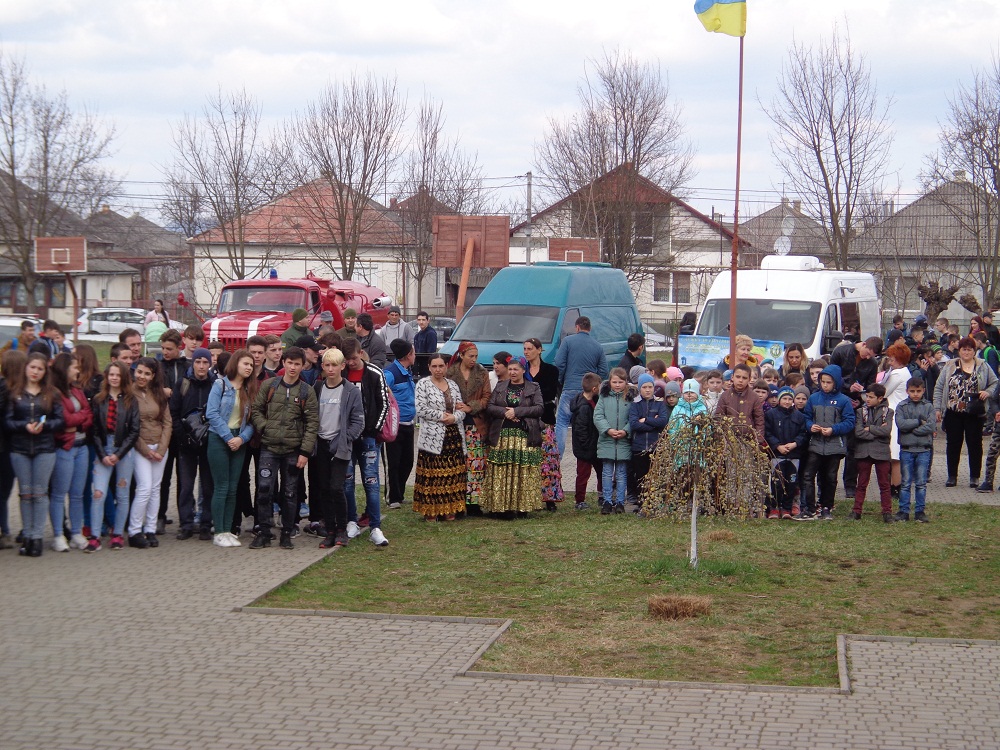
105	208
797	205
784	200
393	203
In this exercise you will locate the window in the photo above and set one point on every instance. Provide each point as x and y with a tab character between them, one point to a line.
56	293
438	283
672	287
367	273
643	232
6	293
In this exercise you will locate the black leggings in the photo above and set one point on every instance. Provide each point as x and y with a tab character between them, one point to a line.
958	427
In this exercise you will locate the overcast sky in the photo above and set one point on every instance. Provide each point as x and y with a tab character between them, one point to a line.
500	68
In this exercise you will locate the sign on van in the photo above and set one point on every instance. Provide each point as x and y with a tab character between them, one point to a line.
705	352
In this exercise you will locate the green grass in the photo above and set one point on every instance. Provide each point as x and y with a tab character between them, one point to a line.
577	585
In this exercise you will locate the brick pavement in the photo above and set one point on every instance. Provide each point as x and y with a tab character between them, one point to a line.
151	648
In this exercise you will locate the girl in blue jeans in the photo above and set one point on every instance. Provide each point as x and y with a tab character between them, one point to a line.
72	454
116	430
614	447
34	414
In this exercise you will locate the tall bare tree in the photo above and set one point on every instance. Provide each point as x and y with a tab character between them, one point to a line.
225	167
50	166
627	118
438	177
349	142
832	136
966	173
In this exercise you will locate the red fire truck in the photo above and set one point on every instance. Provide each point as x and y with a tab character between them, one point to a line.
262	306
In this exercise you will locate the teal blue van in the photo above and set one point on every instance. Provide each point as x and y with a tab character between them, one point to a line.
543	301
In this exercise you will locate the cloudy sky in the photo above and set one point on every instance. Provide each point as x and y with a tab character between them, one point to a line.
501	68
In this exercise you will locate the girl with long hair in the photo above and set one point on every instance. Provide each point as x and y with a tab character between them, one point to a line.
158	314
155	426
33	416
547	378
116	430
229	431
11	370
90	370
72	458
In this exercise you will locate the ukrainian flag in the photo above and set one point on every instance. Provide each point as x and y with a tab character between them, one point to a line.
723	16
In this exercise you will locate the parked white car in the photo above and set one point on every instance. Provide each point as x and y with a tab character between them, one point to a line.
10	326
112	320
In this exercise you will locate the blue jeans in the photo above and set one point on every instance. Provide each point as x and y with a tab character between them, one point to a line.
33	474
365	455
564	417
615	474
99	488
914	468
69	476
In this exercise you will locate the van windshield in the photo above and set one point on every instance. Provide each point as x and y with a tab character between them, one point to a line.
791	321
507	324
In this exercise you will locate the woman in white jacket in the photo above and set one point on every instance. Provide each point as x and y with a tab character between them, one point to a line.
440	485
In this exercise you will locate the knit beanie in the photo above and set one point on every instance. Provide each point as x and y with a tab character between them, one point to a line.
298	314
201	353
635	372
674	388
803	390
645	378
692	386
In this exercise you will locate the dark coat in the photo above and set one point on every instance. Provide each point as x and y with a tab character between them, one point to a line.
528	411
126	428
27	408
645	434
584	432
783	426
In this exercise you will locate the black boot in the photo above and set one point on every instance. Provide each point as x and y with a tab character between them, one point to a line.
37	545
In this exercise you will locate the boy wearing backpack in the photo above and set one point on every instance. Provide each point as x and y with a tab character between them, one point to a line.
286	416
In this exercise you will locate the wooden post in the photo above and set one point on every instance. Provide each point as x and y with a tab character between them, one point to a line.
76	309
470	246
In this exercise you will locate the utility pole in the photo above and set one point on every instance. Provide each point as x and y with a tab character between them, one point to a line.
527	252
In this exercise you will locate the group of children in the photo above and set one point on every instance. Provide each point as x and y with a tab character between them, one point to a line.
802	419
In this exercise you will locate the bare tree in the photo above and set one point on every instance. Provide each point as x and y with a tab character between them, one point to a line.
224	169
50	167
966	171
438	178
627	122
832	137
349	142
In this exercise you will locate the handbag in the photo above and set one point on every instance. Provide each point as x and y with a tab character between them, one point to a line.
976	406
195	428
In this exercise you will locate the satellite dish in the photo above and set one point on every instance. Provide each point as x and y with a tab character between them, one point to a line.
788	225
782	245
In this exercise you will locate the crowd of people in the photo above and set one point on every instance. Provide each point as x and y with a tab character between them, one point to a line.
95	450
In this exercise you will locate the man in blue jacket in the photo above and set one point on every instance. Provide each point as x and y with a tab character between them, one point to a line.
829	420
399	453
578	354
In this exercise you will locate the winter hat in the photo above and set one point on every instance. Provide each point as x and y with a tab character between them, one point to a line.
326	316
645	378
894	335
786	391
672	388
394	309
674	373
298	314
803	390
635	373
727	376
772	390
201	353
921	320
692	386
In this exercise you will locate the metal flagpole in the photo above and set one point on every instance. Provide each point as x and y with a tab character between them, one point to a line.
734	261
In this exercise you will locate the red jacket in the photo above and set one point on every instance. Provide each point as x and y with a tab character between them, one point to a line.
77	420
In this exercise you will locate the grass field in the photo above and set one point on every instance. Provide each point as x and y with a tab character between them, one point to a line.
577	586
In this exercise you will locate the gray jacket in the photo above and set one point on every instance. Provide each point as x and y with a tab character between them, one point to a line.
872	431
352	418
986	381
916	424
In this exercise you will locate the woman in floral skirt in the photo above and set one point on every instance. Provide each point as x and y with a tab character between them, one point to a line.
474	383
546	376
441	481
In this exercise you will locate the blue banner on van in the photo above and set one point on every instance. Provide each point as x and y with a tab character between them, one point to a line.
705	352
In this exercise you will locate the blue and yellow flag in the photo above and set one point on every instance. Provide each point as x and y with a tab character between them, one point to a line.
723	16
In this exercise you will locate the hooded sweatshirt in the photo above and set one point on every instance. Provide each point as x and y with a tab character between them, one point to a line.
830	410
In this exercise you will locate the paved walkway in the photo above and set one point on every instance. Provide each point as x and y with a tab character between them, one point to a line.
152	649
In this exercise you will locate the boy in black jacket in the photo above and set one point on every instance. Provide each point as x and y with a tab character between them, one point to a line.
585	439
785	432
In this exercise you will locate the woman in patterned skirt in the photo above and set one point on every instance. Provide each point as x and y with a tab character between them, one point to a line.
513	471
440	485
474	384
547	378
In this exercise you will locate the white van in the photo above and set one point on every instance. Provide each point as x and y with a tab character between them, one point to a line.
793	299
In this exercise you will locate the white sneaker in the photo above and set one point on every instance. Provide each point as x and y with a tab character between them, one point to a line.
353	530
220	540
79	541
59	543
378	538
233	539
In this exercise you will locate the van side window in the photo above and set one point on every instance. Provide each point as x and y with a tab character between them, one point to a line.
611	324
850	318
569	323
830	326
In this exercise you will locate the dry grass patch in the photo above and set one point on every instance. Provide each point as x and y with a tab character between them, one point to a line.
721	535
679	606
